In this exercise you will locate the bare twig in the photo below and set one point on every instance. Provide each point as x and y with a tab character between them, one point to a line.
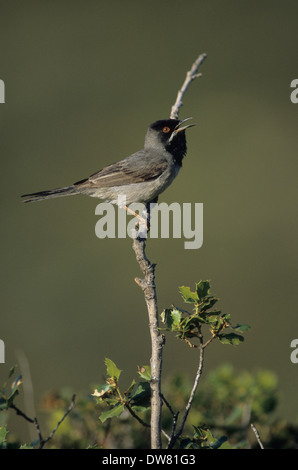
34	421
37	427
191	397
134	415
175	418
44	441
201	347
256	432
191	75
143	423
20	413
168	405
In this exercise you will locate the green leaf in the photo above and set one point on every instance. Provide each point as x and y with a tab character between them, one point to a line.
208	436
114	412
188	444
208	302
111	400
176	316
103	391
145	372
142	395
112	369
171	317
189	322
200	432
221	443
225	446
226	317
139	408
3	433
230	338
202	289
210	318
188	296
241	327
129	391
14	390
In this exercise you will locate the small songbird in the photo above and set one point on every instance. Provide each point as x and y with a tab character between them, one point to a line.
141	177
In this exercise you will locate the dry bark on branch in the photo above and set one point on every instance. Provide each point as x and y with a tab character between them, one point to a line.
148	286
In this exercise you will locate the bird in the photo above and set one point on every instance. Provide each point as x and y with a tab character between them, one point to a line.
140	177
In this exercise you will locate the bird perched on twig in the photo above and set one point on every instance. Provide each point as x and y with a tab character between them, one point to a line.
140	177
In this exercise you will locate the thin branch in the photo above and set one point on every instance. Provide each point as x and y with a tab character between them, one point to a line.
191	397
190	76
20	413
256	432
44	441
134	415
143	423
34	421
37	427
175	418
168	405
198	375
148	286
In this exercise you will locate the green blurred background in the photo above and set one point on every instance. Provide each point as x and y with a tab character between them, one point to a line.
83	81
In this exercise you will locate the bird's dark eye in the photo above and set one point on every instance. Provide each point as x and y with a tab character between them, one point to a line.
166	129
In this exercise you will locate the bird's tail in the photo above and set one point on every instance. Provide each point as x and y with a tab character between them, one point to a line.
65	191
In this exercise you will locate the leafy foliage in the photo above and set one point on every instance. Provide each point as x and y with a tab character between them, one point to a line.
204	439
135	399
228	401
3	433
8	393
188	326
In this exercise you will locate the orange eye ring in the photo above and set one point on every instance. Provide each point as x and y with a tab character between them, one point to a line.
166	130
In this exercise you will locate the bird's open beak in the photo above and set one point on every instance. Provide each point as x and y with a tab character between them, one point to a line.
179	129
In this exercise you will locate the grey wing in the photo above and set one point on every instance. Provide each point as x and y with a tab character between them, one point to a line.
136	168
